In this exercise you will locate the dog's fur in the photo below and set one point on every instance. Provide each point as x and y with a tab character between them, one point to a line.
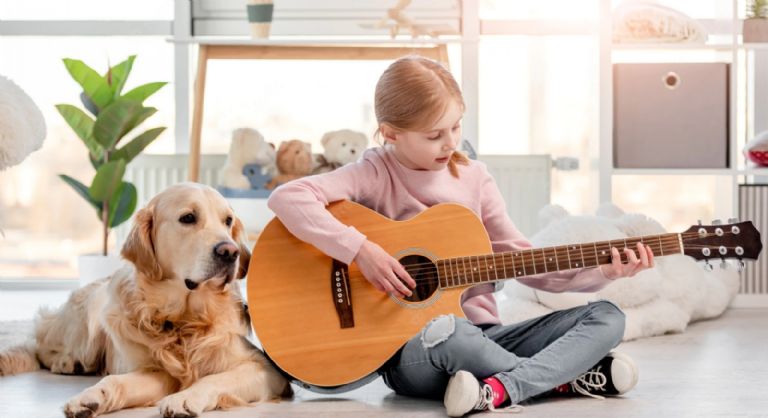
170	328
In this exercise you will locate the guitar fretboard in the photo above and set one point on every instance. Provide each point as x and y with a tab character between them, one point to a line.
476	269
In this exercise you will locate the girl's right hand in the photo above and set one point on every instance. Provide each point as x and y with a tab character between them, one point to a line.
383	271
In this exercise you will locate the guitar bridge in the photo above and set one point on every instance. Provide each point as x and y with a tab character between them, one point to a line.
342	297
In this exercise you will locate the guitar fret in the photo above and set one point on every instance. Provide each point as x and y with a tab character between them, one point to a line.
514	268
661	247
533	261
581	250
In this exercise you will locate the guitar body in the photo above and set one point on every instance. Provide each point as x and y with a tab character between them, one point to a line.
292	292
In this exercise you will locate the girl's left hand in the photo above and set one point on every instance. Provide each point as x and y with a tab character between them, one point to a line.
634	265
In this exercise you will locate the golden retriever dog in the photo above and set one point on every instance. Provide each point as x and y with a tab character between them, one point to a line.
170	328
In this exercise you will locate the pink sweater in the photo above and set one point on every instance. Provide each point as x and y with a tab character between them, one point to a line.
380	182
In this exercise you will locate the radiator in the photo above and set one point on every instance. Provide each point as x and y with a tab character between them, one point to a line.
753	201
524	182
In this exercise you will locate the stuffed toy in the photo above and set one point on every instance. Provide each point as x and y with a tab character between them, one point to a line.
339	148
247	147
647	22
663	299
22	127
756	150
294	160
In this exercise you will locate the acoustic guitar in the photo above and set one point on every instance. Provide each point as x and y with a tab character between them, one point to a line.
322	323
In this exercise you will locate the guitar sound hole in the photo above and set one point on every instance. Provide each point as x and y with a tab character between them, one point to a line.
424	272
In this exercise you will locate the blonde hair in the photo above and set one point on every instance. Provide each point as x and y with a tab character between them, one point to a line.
412	94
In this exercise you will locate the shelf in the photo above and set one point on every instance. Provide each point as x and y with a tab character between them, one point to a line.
671	46
673	171
754	172
315	41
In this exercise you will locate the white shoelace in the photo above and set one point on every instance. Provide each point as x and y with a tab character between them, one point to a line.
485	403
593	379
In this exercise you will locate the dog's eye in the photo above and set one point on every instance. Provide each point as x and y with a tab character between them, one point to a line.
228	221
189	218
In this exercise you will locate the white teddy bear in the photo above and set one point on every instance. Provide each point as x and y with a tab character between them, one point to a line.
339	148
247	147
22	126
656	301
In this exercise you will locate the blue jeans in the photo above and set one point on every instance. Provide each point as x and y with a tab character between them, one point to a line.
529	358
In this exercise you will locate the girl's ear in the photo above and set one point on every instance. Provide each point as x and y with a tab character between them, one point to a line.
388	133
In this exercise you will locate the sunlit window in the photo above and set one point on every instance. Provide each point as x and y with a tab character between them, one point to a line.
46	224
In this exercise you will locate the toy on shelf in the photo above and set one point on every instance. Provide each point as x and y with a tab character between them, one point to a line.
248	146
294	160
756	150
396	19
647	22
339	148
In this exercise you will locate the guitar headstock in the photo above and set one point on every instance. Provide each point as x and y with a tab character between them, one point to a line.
734	240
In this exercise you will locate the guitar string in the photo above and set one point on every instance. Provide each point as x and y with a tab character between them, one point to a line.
669	241
528	264
462	274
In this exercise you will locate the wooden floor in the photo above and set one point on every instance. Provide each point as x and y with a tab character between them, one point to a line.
716	368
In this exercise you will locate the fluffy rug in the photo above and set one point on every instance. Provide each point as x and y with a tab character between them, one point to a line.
656	301
14	333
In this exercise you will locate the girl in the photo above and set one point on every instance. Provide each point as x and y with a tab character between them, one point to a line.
419	108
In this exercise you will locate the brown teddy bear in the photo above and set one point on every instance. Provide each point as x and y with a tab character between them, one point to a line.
294	160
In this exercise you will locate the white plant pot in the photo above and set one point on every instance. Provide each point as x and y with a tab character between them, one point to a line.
96	266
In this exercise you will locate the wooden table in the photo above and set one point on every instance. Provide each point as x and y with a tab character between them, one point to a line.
243	48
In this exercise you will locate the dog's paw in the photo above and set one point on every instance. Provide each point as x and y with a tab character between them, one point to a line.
66	363
85	405
181	405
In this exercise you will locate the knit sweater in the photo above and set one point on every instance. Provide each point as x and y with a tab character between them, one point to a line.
380	182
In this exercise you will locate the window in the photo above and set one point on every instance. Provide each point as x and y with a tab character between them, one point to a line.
46	224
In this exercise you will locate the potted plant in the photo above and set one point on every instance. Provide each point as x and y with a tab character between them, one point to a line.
108	118
755	27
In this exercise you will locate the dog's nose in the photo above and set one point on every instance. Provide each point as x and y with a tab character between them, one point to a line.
226	252
353	150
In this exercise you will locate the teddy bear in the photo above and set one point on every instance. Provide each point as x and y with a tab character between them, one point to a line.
248	146
294	160
663	299
22	126
339	148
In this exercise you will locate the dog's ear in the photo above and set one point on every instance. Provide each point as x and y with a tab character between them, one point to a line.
139	248
241	238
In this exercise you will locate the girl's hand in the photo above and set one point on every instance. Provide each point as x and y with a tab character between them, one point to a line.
634	264
383	271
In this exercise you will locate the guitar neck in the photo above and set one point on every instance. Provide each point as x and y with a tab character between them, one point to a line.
476	269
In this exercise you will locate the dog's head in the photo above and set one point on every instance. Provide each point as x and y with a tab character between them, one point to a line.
188	233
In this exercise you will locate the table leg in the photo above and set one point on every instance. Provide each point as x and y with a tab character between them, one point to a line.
197	115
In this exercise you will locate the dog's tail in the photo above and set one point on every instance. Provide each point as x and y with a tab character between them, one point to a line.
19	359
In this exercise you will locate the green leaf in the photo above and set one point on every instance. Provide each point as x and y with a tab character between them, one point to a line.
145	113
120	74
137	145
115	121
107	180
93	84
122	204
81	189
143	91
82	124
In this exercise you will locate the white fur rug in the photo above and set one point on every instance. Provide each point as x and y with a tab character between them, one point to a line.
656	301
14	332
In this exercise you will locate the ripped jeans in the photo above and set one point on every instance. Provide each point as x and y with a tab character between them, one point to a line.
529	358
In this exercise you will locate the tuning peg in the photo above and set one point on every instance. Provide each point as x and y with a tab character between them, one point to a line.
716	222
733	220
723	265
707	266
740	266
699	221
